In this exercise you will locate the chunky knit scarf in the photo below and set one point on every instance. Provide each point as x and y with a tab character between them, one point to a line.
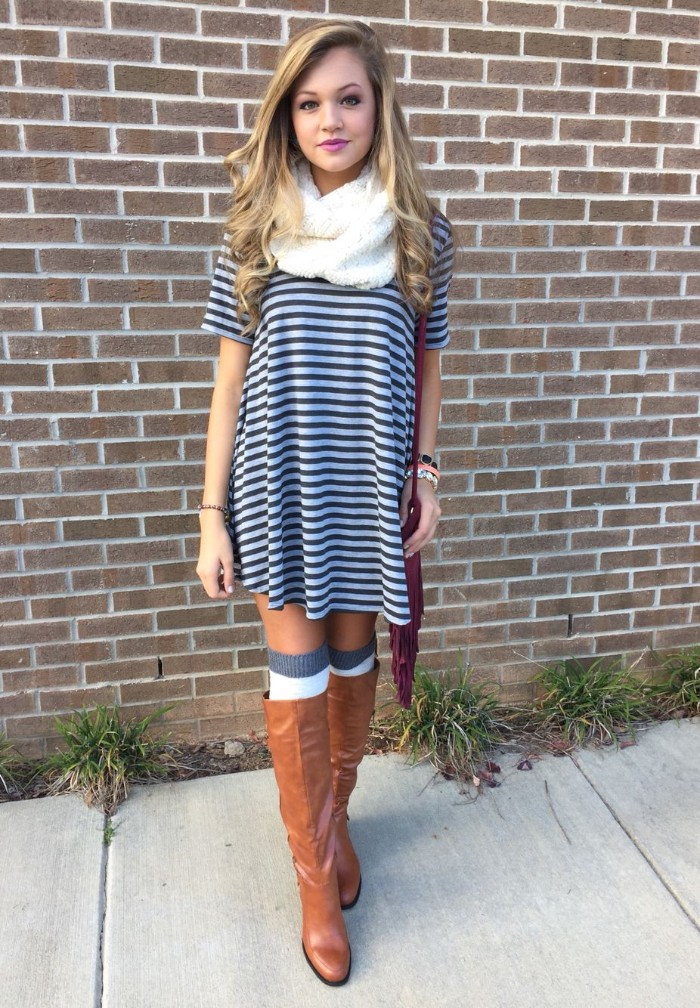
345	237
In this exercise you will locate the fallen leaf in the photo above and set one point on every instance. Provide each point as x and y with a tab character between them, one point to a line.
489	779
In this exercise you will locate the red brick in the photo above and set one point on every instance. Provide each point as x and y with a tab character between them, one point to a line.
679	52
109	46
37	230
160	80
89	13
64	75
30	105
122	172
38	679
632	49
75	200
69	700
606	20
28	42
149	18
34	633
241	24
156	141
441	10
160	691
668	24
109	108
195	52
117	672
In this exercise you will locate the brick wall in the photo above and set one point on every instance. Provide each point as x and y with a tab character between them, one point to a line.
562	139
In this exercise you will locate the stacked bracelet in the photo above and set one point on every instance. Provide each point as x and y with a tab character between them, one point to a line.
433	480
217	507
426	472
427	468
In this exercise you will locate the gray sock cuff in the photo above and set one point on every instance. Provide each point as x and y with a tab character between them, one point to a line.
344	660
299	666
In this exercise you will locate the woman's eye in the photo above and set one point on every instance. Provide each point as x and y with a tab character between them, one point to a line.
305	105
352	99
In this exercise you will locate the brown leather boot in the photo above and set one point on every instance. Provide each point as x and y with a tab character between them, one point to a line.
350	709
298	739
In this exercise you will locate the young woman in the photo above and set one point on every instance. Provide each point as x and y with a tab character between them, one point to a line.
332	252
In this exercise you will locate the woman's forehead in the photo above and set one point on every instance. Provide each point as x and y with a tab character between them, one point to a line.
339	68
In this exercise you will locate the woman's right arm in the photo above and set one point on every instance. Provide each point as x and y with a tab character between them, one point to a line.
216	551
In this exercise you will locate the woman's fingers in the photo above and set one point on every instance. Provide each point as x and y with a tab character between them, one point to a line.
215	566
212	580
226	579
427	526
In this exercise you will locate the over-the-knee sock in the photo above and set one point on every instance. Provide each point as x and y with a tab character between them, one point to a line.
297	677
354	663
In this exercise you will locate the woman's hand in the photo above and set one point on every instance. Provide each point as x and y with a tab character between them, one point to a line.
215	565
429	515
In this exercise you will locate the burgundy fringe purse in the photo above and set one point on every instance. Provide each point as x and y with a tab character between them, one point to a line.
404	637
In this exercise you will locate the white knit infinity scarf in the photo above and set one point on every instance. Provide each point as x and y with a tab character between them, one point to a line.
345	237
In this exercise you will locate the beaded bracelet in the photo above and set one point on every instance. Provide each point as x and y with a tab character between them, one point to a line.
217	507
424	474
424	468
429	468
433	480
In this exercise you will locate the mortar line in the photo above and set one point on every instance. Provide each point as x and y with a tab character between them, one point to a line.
647	857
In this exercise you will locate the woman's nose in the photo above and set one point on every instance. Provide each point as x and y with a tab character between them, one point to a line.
330	117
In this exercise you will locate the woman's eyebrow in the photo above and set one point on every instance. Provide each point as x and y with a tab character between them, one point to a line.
343	88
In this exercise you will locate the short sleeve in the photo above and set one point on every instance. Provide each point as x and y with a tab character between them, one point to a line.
220	314
437	333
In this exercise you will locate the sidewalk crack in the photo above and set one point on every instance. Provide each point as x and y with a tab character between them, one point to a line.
647	857
102	909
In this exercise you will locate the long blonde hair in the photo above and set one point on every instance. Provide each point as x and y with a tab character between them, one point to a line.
266	200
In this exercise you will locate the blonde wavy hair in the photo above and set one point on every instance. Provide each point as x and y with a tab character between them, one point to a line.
266	201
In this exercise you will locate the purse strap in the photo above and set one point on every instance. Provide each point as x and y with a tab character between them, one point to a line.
419	360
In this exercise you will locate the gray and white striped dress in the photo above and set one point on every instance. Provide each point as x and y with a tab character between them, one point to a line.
323	436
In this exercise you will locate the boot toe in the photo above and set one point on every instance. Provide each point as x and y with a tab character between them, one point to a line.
330	965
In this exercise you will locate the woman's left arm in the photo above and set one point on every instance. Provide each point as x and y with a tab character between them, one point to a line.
429	416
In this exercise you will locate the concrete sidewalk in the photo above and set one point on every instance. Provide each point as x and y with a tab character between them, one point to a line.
571	885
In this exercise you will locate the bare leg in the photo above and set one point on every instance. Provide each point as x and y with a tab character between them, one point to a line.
348	631
289	630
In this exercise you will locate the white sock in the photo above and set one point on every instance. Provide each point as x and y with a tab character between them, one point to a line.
286	688
298	677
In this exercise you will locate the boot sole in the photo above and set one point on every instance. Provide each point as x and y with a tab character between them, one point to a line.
328	983
349	906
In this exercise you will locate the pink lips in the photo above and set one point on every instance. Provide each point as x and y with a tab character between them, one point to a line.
334	144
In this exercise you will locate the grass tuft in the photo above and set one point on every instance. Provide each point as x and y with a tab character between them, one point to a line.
105	755
450	721
680	693
592	701
12	767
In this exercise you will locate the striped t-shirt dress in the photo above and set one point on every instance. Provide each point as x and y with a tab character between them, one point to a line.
324	435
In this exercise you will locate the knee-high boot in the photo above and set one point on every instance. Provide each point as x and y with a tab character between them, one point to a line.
350	707
298	739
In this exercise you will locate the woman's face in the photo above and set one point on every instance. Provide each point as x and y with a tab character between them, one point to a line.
333	117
